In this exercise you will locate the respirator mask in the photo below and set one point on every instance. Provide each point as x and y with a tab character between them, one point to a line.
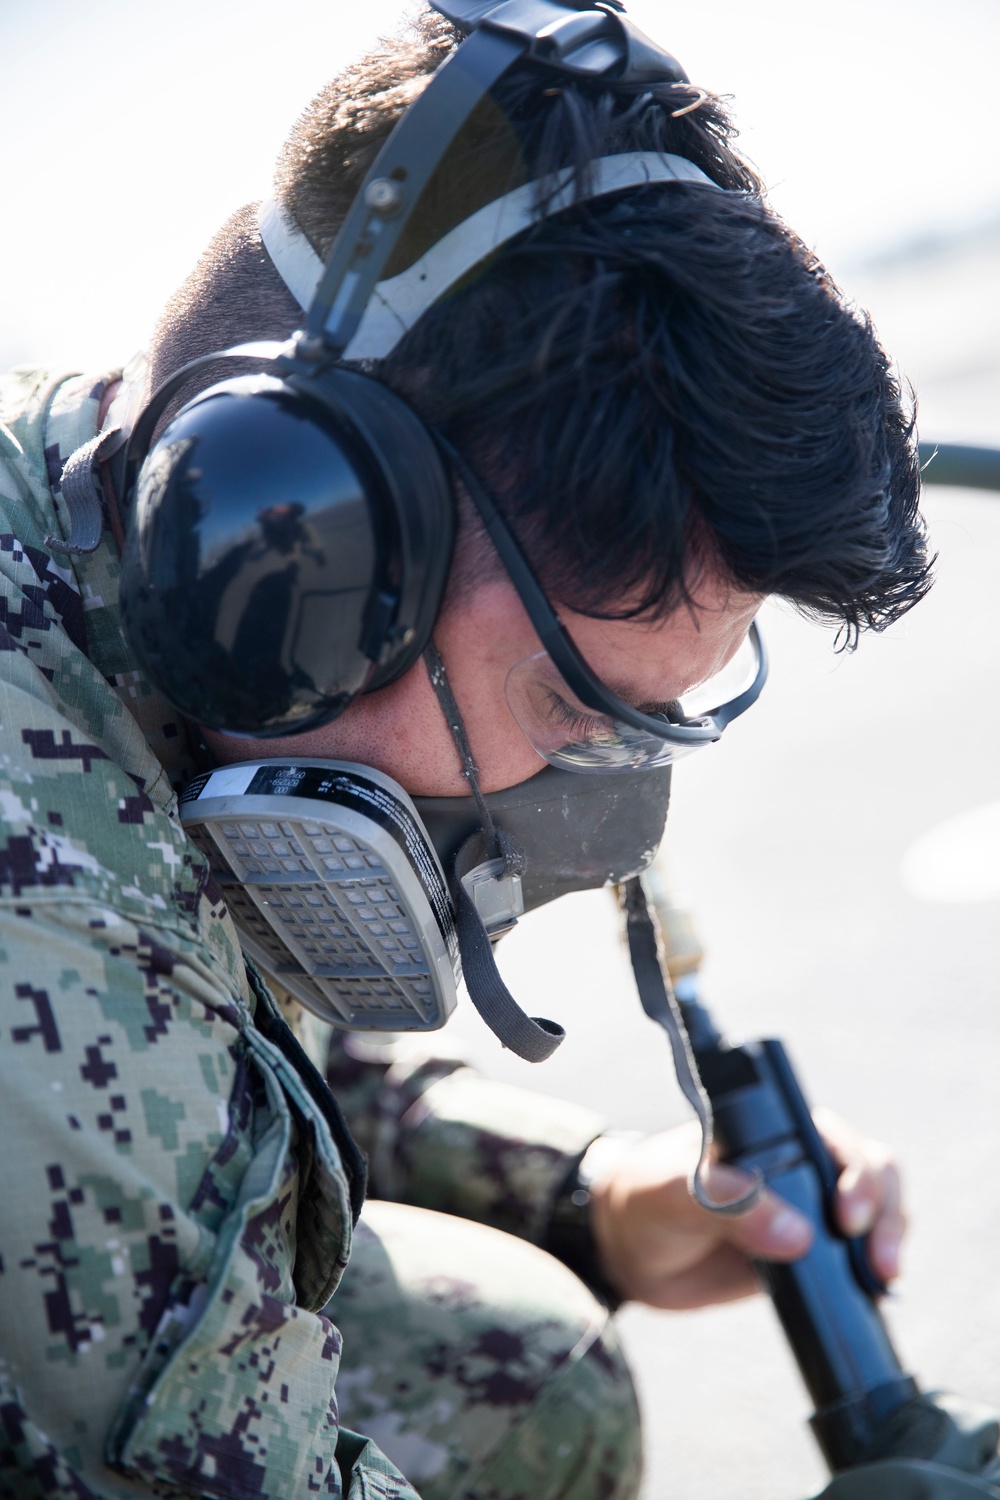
289	543
337	880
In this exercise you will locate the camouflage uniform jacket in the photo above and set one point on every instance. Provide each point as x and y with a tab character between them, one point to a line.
179	1190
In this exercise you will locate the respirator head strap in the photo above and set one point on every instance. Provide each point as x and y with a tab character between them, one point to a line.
486	889
456	724
531	1037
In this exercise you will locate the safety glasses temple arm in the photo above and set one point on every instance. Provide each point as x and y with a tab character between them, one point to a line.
727	712
552	633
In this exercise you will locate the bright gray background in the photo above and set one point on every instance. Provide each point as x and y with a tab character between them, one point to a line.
841	907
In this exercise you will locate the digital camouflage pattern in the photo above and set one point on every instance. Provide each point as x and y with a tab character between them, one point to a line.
179	1194
438	1135
483	1367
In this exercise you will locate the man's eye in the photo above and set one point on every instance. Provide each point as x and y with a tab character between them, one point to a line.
590	726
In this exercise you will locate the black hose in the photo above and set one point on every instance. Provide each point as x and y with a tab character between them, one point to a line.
960	464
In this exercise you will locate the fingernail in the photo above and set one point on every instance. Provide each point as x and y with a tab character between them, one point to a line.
788	1228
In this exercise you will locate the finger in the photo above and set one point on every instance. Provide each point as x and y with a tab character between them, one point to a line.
861	1210
772	1229
886	1239
868	1180
859	1198
869	1192
869	1201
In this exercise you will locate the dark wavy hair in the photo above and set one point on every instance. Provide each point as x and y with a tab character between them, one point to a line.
650	383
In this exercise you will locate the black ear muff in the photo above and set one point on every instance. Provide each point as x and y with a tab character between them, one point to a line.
289	546
413	478
291	533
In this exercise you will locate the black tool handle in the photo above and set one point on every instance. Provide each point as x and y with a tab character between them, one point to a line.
825	1300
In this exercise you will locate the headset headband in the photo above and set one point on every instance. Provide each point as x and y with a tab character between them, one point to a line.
396	304
581	40
591	38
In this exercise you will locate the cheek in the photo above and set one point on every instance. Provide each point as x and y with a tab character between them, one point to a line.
477	665
500	750
402	731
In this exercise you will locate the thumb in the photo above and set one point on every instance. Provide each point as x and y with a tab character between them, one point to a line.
771	1230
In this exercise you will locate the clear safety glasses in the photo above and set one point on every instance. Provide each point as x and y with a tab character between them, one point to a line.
566	732
568	715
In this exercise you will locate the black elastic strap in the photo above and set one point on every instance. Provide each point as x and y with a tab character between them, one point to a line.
558	642
660	1004
470	771
531	1037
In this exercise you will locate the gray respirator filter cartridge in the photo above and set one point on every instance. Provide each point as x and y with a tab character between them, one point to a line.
334	888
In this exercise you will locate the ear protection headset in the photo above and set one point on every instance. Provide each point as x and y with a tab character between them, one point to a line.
291	532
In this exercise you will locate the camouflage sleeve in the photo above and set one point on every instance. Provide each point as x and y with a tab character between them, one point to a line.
440	1135
165	1247
160	1255
177	1197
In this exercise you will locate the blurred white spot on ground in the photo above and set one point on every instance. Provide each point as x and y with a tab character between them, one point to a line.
959	860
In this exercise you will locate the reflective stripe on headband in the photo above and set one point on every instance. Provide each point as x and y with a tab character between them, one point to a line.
397	303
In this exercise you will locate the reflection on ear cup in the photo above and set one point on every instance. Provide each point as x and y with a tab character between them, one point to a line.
289	549
412	475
